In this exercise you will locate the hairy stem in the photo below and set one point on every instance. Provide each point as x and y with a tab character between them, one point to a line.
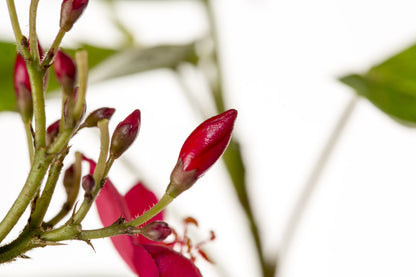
33	38
16	29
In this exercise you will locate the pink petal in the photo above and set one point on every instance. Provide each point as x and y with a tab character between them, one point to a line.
111	205
171	263
139	199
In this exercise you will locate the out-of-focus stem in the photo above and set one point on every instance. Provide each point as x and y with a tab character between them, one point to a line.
81	60
232	157
312	181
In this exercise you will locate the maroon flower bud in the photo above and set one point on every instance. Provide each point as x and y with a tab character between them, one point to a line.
22	89
71	10
201	150
156	230
88	184
51	132
69	179
65	71
124	134
97	115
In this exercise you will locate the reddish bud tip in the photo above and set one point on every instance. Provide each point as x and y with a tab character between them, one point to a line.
124	134
201	150
88	184
22	89
71	10
156	230
97	115
52	131
65	71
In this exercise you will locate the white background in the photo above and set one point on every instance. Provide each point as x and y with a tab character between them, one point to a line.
281	61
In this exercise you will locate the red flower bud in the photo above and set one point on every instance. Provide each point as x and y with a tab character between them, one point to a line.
201	150
22	88
88	184
71	10
156	230
97	115
124	134
52	131
65	71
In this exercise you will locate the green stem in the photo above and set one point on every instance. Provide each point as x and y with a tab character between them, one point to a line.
29	140
33	182
60	142
81	60
232	157
16	29
71	195
33	38
36	82
311	183
53	49
43	203
67	232
98	173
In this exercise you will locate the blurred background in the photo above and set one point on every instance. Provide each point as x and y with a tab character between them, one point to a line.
280	62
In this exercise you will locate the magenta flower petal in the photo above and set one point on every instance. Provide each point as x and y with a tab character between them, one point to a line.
111	206
139	199
171	263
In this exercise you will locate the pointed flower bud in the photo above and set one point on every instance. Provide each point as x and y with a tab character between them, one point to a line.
124	134
156	230
52	131
97	115
69	180
22	89
65	71
201	150
71	10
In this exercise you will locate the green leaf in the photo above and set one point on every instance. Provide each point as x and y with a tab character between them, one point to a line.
390	86
7	59
7	56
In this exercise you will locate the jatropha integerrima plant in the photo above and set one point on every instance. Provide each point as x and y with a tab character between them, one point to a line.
134	227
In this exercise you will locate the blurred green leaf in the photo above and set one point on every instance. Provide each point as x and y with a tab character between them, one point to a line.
7	59
390	86
107	64
7	56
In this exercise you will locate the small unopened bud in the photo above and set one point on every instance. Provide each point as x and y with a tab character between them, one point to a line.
52	131
125	134
201	150
71	10
156	230
97	115
88	184
65	71
70	180
22	89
